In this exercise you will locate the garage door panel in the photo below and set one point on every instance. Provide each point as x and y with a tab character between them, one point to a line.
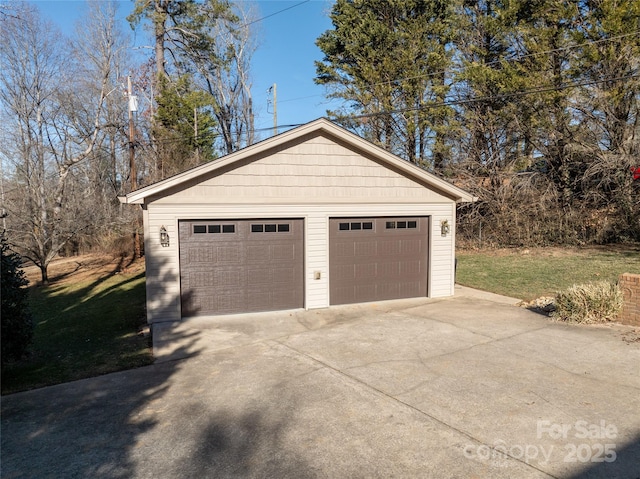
224	303
346	271
389	270
201	254
282	252
284	276
365	291
414	287
411	247
408	268
198	303
258	253
381	258
259	276
388	247
228	278
265	275
227	254
365	248
256	266
365	272
388	290
342	249
202	279
282	298
255	299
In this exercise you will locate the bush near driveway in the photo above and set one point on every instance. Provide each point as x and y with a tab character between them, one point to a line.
588	303
542	277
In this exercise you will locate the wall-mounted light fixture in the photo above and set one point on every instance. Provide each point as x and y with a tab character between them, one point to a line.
164	236
444	227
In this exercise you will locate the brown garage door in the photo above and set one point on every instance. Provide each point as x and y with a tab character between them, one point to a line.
241	266
373	259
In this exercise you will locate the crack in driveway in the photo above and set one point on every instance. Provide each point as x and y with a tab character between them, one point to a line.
395	399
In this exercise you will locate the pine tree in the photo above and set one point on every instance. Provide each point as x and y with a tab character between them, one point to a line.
388	59
487	79
184	126
609	63
17	325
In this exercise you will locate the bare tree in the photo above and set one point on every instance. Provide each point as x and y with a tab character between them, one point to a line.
222	69
106	172
53	107
212	42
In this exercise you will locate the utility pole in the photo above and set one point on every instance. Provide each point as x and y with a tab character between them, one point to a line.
132	163
195	133
272	90
133	106
275	111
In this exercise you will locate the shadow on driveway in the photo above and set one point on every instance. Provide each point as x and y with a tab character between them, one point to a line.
427	388
625	466
86	428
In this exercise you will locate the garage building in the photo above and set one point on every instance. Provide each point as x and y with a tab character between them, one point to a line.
313	217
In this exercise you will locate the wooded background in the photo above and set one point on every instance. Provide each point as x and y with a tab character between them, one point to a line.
530	105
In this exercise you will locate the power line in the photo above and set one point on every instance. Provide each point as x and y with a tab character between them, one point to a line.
520	93
501	96
274	14
488	98
299	98
212	136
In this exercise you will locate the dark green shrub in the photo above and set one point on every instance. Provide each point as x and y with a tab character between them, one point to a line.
17	324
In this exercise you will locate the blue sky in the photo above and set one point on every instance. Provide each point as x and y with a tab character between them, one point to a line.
285	55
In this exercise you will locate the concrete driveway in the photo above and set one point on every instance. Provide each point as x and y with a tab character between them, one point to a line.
466	387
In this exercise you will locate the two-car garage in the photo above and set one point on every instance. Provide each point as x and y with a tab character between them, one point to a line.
310	218
236	266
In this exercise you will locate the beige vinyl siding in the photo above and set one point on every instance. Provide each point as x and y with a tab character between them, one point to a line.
314	142
163	269
316	260
317	170
442	252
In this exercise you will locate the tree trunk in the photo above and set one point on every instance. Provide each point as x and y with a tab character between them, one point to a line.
160	31
137	251
44	274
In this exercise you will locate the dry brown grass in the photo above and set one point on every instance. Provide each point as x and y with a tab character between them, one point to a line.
88	267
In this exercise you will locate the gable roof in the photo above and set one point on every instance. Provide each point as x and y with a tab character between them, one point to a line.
320	126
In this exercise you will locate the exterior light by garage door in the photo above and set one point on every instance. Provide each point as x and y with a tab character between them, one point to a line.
444	227
164	237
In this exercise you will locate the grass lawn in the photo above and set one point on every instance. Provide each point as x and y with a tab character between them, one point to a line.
87	323
532	273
